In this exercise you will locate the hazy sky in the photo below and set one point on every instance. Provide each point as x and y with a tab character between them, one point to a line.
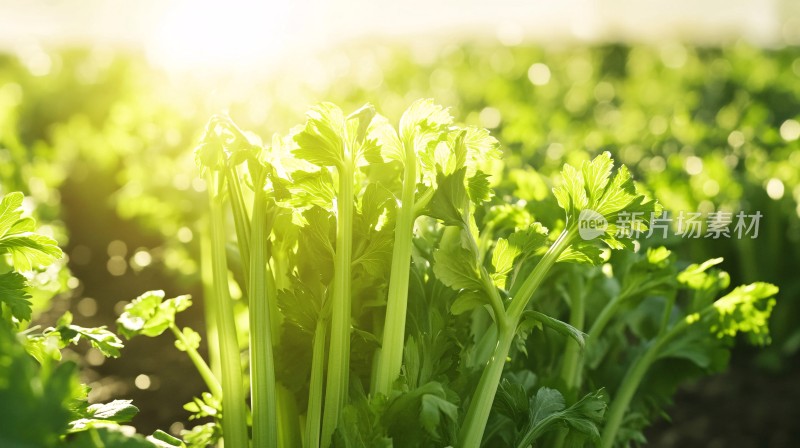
215	32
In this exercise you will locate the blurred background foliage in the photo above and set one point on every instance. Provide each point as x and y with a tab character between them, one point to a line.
100	142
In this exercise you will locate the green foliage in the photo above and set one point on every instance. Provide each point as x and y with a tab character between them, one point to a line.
548	410
496	263
28	250
14	294
103	340
29	392
150	315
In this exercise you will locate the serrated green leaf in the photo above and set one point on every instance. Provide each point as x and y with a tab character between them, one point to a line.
22	226
503	257
596	174
582	253
30	250
149	314
688	348
479	189
13	292
746	309
450	199
302	304
548	411
432	407
530	239
314	188
10	211
385	135
544	404
100	338
456	266
512	400
468	301
481	146
617	199
423	122
320	141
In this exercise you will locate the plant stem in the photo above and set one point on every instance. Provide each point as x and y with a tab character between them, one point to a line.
603	318
209	300
339	359
573	359
199	363
630	382
314	413
234	422
478	414
635	374
570	370
288	419
241	221
532	282
262	365
391	353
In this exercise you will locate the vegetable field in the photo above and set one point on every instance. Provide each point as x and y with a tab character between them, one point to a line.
496	246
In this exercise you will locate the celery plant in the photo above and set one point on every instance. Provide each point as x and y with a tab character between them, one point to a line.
591	188
262	366
423	124
214	157
234	422
745	309
330	139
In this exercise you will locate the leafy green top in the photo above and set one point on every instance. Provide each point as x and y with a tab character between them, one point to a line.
150	315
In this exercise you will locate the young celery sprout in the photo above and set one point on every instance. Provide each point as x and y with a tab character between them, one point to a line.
150	315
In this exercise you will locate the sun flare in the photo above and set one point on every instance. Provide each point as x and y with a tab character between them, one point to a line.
211	35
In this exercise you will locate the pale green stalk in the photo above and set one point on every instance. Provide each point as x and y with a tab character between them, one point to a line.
288	419
262	365
199	363
241	221
572	357
339	354
630	382
209	301
391	353
480	407
234	421
634	376
314	413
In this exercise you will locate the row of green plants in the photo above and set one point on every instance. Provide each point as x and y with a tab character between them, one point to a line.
391	298
731	135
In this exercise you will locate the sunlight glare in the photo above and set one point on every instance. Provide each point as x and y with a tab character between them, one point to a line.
210	35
